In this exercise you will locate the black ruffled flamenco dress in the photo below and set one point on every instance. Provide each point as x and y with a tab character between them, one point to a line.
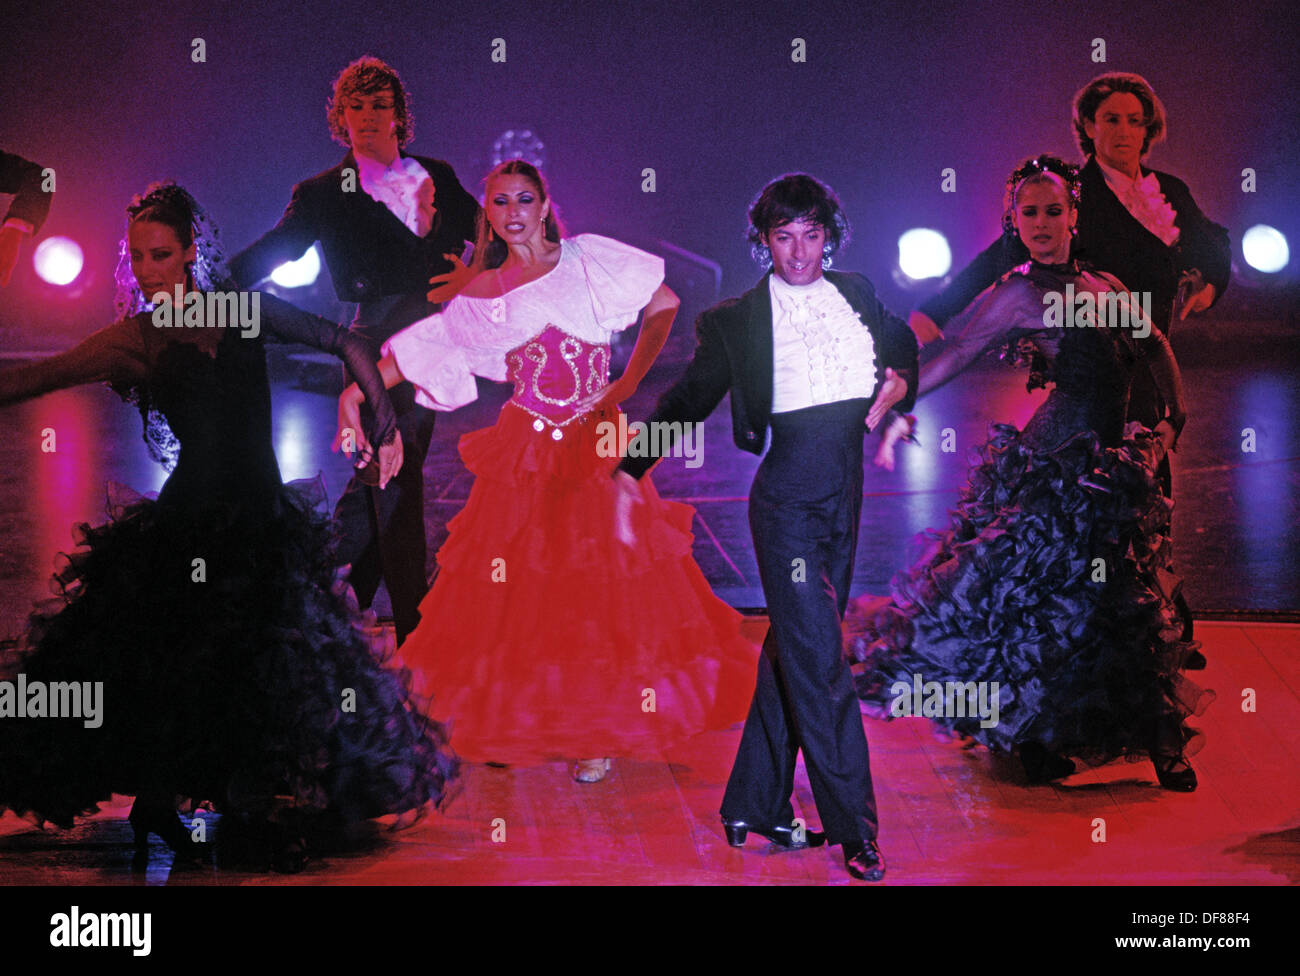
234	668
1053	578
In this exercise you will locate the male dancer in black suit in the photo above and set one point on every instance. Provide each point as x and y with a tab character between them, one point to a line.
30	206
1136	223
819	359
1117	118
387	222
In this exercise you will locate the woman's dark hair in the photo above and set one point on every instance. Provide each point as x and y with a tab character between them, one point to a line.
368	75
796	196
165	203
173	206
1088	98
1037	170
489	250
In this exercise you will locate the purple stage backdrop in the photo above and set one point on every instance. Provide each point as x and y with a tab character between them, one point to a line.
710	96
657	124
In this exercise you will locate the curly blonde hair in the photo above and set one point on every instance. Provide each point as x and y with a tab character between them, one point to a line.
368	75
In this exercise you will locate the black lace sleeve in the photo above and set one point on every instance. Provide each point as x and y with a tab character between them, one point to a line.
985	270
1013	307
287	323
1154	348
113	355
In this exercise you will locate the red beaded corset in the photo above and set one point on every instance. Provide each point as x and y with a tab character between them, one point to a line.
551	372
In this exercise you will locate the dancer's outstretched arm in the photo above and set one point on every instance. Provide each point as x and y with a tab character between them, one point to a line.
984	270
111	355
297	230
693	397
1012	306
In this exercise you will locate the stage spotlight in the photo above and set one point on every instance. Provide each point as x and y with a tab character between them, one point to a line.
1265	249
300	273
58	260
924	253
519	144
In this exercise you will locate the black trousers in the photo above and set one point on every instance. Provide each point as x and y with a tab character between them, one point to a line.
381	533
803	511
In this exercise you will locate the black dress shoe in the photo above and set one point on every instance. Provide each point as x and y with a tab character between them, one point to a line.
783	836
1175	774
1042	766
1195	662
866	863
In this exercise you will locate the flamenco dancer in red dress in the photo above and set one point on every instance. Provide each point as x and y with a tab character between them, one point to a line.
544	636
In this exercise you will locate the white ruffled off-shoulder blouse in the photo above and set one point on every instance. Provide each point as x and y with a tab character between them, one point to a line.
597	288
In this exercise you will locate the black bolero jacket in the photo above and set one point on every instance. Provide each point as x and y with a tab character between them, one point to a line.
734	354
370	253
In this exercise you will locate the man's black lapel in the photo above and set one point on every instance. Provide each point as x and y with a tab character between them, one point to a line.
355	199
1115	217
761	366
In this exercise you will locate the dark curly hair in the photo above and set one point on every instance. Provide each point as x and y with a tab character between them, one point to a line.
368	75
1038	170
1088	98
797	196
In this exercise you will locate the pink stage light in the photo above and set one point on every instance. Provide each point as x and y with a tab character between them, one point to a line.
58	260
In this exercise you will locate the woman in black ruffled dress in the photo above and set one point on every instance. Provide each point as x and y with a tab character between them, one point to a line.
1053	579
232	668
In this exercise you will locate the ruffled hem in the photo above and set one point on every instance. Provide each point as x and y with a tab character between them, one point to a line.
545	637
233	670
1052	587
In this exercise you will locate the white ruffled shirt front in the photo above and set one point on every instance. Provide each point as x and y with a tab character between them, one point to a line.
821	351
1142	198
405	188
597	288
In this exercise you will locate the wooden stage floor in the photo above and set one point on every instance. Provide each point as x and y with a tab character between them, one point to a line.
948	815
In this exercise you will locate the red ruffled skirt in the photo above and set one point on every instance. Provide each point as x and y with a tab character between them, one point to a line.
545	637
